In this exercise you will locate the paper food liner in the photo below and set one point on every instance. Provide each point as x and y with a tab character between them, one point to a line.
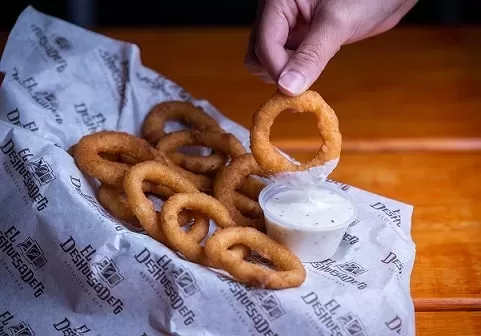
69	268
311	178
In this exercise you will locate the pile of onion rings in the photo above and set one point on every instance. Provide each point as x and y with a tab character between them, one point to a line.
220	188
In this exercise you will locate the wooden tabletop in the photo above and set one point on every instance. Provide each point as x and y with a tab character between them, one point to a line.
409	106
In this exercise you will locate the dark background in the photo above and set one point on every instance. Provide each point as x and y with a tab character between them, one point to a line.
161	13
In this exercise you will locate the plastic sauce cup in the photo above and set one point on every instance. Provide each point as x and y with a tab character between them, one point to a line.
310	244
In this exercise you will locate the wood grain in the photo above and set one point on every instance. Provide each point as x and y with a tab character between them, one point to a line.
448	324
444	189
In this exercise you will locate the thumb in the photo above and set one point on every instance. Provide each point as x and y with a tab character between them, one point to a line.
305	65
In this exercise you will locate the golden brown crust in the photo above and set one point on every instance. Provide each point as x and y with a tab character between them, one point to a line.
143	208
229	180
203	183
268	157
290	273
199	164
115	201
200	202
184	112
88	154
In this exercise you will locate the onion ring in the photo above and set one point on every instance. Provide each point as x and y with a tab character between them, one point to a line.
143	208
87	154
71	150
115	201
252	187
247	207
203	183
268	157
225	143
229	180
198	202
291	272
185	112
195	163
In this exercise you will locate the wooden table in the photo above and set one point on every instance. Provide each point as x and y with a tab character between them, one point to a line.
409	105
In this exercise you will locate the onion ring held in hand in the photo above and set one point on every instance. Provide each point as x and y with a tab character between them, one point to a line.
229	180
291	272
199	202
268	157
185	112
143	208
88	154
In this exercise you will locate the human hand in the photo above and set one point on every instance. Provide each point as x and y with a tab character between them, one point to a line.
293	40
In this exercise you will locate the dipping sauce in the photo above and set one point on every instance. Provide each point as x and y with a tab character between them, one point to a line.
310	223
315	208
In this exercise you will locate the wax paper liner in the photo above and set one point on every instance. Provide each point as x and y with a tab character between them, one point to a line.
69	268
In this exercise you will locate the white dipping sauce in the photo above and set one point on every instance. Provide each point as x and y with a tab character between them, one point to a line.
316	208
311	223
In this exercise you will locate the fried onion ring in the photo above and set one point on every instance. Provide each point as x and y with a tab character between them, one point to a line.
290	273
88	154
185	112
268	157
71	150
247	206
222	142
203	183
143	208
252	187
115	201
195	163
198	202
229	180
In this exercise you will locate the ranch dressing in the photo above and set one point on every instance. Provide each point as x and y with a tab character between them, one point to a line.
311	223
314	208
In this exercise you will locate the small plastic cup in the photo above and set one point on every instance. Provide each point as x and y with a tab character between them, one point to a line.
310	244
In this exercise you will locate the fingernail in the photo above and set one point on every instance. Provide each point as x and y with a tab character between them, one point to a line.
292	81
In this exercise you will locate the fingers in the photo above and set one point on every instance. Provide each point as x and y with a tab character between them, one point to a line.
303	68
266	55
273	31
293	70
254	65
251	61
